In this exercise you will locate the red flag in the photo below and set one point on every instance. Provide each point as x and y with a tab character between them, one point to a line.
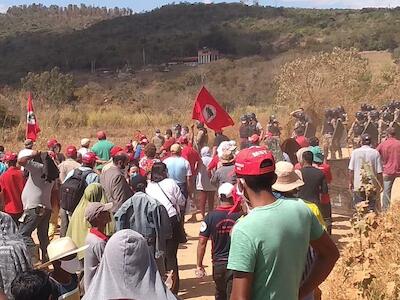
207	110
32	127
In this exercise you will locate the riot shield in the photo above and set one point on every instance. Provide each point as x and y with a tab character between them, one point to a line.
310	130
372	130
338	133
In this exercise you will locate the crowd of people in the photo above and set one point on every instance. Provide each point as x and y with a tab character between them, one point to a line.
121	212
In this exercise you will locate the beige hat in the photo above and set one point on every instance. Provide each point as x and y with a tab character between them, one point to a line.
61	248
85	142
288	179
227	157
176	148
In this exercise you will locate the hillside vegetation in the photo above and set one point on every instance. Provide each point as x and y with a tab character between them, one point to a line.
178	31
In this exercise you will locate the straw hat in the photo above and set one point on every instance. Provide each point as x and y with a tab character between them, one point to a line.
85	142
61	248
176	148
288	179
227	157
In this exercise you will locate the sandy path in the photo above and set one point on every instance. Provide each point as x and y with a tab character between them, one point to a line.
190	286
193	288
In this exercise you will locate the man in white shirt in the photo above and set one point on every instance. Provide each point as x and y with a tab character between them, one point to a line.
368	159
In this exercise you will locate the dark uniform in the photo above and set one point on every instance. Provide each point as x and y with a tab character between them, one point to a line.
357	129
244	132
327	132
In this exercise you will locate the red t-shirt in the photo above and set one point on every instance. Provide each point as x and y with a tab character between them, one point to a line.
326	169
192	157
12	183
390	156
302	141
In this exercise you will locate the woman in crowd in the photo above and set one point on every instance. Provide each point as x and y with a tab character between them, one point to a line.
78	227
127	271
167	192
203	183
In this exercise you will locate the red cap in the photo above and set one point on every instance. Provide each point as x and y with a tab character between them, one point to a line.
249	162
10	156
89	158
101	135
71	151
254	138
52	143
183	140
115	150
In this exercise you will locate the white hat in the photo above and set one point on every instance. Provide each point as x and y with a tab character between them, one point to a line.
225	189
226	146
85	142
61	248
25	153
288	179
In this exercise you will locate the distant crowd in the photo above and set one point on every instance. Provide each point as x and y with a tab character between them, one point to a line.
109	219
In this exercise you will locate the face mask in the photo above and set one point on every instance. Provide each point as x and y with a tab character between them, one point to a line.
158	134
241	193
72	266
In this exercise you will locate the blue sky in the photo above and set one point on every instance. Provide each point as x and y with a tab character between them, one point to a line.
141	5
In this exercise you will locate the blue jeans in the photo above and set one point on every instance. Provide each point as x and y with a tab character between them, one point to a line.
360	196
36	218
387	191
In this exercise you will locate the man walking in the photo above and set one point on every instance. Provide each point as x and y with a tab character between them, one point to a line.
390	155
37	206
218	225
365	167
269	246
114	183
12	183
179	169
102	149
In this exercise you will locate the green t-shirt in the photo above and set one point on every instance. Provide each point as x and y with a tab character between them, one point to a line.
272	243
102	149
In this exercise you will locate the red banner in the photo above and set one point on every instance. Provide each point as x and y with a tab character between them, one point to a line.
32	126
207	110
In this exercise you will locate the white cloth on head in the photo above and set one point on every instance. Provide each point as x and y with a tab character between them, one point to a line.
128	271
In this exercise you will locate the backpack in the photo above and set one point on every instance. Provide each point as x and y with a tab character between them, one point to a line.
72	190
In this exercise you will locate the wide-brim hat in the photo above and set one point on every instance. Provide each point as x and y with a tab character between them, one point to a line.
60	248
287	178
227	157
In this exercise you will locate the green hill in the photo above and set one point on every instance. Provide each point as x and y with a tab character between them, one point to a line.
179	30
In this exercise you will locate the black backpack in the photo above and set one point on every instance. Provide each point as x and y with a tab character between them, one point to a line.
72	190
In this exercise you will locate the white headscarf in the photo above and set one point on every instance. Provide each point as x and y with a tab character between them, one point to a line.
128	271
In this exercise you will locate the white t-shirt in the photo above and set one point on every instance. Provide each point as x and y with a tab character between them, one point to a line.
168	193
358	156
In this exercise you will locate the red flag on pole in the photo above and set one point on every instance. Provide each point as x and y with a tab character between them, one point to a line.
207	110
32	127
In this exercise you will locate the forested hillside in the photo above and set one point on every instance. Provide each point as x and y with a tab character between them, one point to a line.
36	38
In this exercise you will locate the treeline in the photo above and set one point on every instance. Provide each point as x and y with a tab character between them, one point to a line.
39	18
180	30
68	11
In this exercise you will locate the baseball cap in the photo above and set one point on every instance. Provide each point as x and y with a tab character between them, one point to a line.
89	158
317	153
85	142
10	156
101	135
115	150
52	143
225	190
254	138
71	151
254	161
176	148
94	209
